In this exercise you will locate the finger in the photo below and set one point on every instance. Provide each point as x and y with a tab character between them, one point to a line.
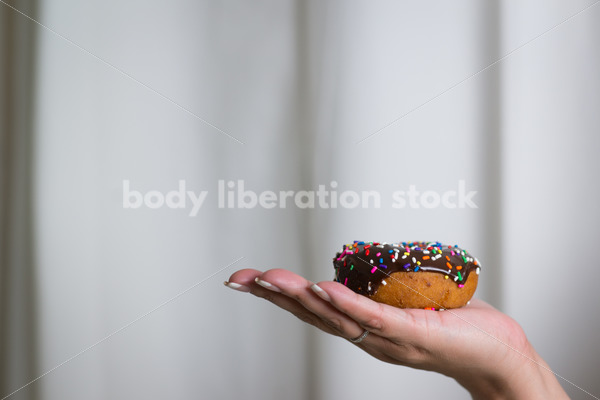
376	346
246	278
299	289
382	319
243	279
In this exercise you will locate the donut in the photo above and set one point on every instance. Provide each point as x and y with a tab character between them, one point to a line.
427	275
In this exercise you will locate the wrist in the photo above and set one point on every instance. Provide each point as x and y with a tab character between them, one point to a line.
524	375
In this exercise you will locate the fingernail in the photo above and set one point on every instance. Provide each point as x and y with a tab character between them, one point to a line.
320	292
267	285
237	286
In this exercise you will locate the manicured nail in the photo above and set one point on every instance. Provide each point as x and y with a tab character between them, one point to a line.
236	286
320	292
267	285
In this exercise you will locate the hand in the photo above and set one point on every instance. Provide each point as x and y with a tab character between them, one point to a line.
483	349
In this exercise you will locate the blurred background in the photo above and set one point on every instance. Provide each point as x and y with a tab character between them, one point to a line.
107	301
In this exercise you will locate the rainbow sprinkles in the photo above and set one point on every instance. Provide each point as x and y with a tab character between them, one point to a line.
364	266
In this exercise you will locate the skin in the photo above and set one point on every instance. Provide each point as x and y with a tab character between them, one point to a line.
498	363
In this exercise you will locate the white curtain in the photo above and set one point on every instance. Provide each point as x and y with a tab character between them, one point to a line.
287	96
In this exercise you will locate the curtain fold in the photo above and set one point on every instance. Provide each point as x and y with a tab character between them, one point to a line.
17	284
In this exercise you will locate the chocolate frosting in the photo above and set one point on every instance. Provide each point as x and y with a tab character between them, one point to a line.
364	266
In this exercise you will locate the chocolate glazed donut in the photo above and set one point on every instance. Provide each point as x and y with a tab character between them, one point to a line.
426	275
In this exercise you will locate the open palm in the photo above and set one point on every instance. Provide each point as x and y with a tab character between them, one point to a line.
477	345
